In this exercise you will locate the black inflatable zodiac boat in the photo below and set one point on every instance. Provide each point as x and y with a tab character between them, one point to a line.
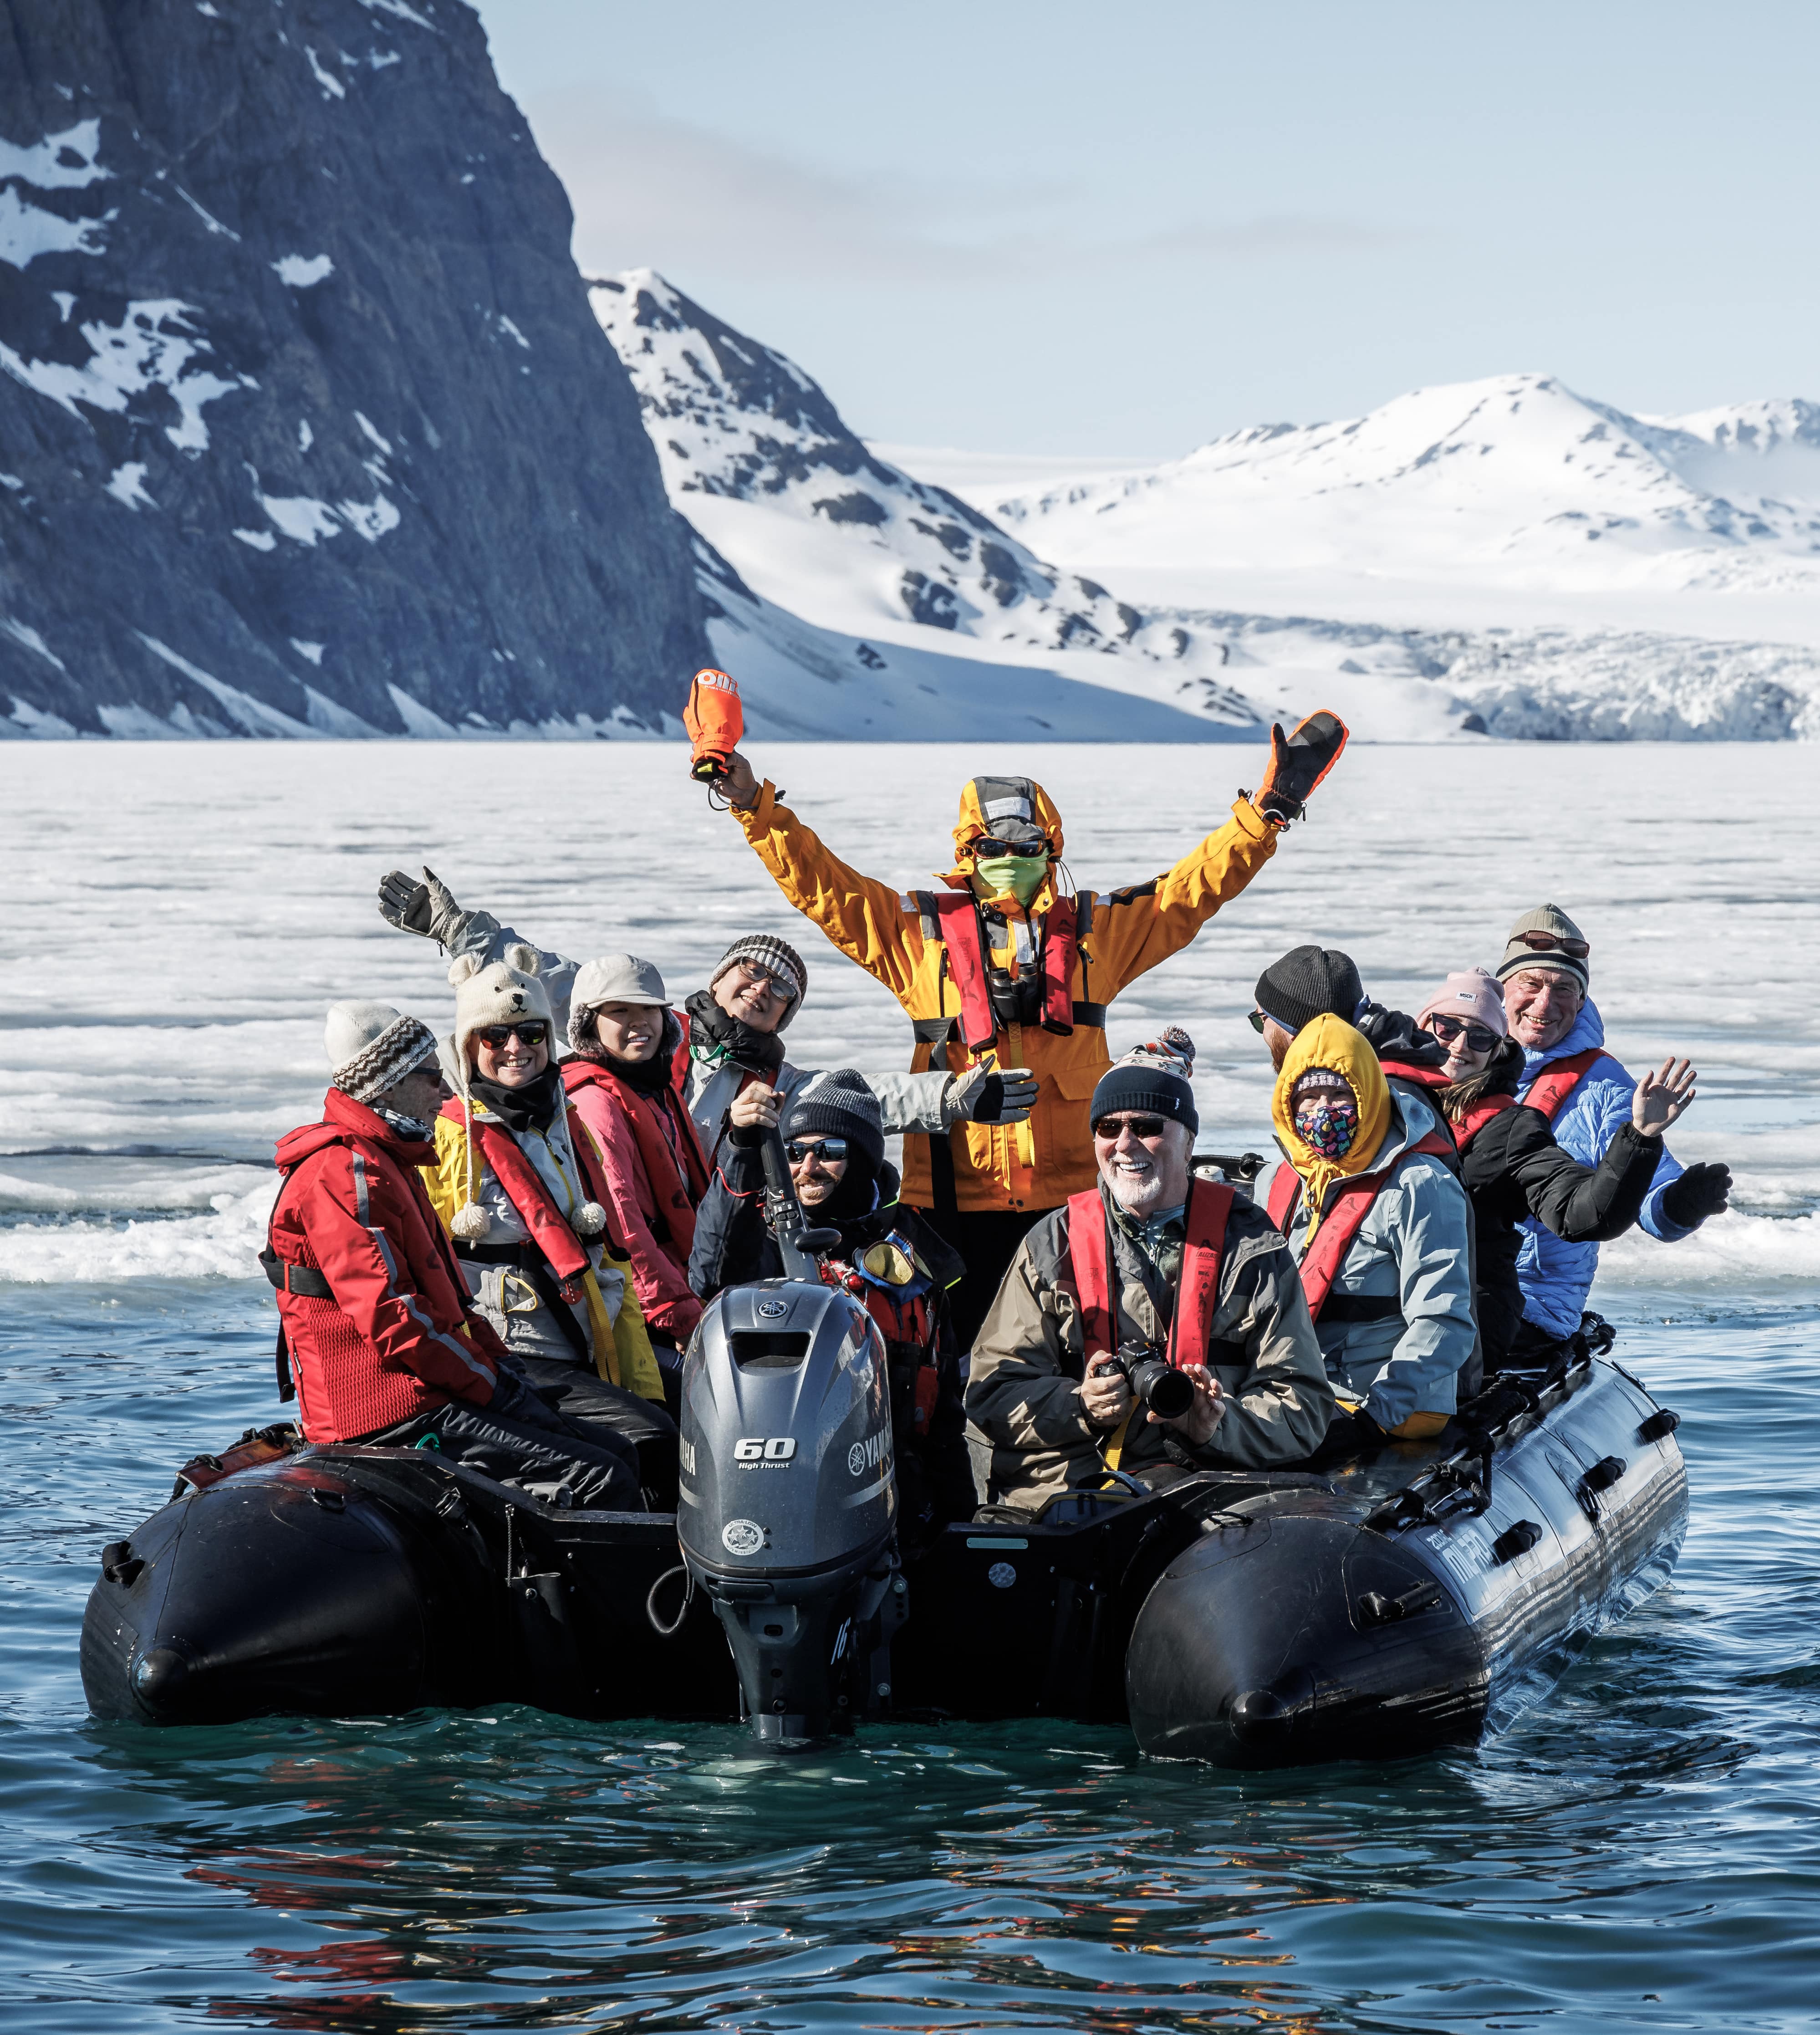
1406	1600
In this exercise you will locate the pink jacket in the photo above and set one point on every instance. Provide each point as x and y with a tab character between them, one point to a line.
655	1217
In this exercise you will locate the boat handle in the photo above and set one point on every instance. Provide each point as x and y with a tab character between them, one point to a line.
1659	1425
1375	1609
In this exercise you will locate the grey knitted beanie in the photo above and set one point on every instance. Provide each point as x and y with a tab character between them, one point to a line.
839	1104
779	957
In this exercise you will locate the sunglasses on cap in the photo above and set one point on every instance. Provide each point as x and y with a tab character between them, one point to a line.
527	1035
1145	1127
796	1151
1481	1038
1547	943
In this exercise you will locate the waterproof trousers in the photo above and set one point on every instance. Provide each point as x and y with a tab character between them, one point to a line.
612	1414
601	1470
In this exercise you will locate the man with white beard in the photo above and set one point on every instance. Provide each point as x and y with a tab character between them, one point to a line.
1149	1268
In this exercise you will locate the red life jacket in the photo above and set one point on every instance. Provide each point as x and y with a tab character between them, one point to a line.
964	936
1407	1071
1197	1295
1478	1116
678	1183
1558	1080
536	1207
908	1328
1325	1256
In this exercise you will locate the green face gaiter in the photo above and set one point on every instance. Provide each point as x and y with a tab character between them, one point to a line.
1021	874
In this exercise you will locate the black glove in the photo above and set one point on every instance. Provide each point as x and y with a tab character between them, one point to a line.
514	1400
427	908
1298	764
985	1096
1701	1192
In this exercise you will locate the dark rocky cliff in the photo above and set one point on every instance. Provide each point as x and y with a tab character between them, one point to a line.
304	419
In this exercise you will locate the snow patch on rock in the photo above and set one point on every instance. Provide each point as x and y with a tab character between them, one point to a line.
303	272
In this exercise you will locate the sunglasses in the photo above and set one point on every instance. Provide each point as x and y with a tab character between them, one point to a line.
527	1035
1145	1127
796	1151
1547	943
1258	1020
1481	1038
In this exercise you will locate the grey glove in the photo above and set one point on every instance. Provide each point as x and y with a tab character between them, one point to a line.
984	1095
428	907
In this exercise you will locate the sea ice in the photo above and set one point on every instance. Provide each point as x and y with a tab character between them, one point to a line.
184	914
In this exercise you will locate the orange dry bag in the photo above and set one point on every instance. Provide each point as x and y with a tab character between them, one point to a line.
714	723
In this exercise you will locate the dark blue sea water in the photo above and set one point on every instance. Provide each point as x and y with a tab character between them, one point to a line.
1642	1851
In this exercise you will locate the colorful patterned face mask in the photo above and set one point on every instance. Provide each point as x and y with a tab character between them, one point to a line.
1328	1124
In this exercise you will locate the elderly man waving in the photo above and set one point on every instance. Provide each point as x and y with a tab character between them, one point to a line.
1147	1265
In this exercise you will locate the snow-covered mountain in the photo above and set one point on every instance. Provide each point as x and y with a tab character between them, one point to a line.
305	427
1515	480
758	458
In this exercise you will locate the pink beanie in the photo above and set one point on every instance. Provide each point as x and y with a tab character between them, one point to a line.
1469	993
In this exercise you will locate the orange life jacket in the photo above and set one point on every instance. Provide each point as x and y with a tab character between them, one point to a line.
1198	1294
968	963
1558	1080
1325	1256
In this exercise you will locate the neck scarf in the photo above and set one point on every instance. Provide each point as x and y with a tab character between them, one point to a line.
532	1107
1019	876
1332	1045
714	1037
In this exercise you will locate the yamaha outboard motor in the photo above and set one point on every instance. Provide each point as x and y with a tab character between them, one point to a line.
788	1505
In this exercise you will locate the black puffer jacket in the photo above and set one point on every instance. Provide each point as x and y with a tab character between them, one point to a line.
734	1247
1513	1169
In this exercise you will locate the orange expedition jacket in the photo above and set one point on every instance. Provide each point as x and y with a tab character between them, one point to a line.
901	938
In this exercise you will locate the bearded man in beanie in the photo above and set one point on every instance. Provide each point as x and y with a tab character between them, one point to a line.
1149	1263
377	1328
1587	1096
730	1035
834	1142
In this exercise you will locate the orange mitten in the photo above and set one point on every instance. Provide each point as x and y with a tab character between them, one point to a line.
714	723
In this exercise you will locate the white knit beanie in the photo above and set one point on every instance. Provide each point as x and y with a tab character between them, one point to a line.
370	1046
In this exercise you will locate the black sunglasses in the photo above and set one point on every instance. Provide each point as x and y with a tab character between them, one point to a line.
1481	1038
529	1035
1145	1127
796	1151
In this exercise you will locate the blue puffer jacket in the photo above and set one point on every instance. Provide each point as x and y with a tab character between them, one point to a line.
1556	1277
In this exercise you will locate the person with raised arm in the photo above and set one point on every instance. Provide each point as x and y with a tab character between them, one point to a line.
1003	967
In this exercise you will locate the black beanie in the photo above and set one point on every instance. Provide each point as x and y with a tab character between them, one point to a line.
1310	983
1151	1089
839	1104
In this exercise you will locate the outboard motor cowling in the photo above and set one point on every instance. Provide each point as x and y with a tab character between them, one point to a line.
788	1505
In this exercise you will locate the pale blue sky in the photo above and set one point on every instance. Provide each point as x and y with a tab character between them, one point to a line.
1099	229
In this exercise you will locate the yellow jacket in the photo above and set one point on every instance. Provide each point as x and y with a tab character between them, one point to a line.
622	1345
893	937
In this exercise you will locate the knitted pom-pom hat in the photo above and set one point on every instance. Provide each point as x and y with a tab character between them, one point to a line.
1154	1078
370	1046
501	992
779	957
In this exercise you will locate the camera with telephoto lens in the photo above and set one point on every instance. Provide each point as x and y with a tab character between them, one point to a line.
1169	1392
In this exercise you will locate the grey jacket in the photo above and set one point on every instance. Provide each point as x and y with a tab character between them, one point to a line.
1023	1390
908	1102
1413	1257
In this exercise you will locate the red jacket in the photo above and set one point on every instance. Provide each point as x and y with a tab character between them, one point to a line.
400	1336
656	1177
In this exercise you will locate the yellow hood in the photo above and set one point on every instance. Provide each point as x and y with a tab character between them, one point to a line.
1331	1042
974	819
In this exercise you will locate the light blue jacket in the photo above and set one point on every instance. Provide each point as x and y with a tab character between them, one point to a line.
1413	1248
1556	1277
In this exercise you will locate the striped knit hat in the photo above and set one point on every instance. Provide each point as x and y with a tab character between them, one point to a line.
779	957
370	1046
